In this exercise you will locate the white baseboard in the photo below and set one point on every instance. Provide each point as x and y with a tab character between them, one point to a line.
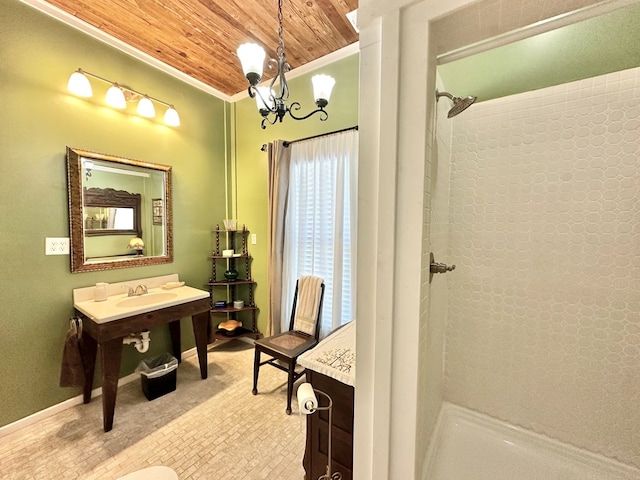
72	402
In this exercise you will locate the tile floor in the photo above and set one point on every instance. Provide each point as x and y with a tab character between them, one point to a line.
210	429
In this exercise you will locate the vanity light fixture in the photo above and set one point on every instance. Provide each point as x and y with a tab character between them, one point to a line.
118	96
273	108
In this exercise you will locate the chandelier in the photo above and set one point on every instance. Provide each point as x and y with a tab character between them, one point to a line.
272	107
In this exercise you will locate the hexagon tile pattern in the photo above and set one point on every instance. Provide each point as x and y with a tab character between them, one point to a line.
544	312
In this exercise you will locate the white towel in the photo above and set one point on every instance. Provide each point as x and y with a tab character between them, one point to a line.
308	304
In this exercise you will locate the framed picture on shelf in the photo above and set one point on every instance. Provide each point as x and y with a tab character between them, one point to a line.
158	211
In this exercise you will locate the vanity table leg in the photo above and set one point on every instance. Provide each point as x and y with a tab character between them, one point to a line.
200	324
174	330
110	353
89	350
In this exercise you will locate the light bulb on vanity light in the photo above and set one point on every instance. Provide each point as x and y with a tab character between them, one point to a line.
171	117
115	97
146	108
78	84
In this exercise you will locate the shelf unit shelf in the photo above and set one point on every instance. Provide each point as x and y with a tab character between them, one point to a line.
224	289
233	309
227	283
240	332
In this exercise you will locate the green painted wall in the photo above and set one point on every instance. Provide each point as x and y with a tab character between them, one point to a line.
603	44
38	119
249	165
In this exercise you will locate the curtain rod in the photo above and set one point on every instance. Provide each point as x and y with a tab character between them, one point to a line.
287	143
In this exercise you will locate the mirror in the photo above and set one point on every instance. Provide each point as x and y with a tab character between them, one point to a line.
111	212
120	211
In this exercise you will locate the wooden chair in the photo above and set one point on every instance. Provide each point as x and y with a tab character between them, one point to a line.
285	348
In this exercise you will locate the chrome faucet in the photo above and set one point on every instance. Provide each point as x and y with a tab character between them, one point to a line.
140	290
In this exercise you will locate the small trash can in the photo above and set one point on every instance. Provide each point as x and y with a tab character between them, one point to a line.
158	375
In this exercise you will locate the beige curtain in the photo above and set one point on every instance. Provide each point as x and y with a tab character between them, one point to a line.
279	157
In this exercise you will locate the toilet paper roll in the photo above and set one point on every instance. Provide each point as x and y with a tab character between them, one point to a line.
307	400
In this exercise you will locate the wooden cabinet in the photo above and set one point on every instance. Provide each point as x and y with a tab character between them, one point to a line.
315	455
231	281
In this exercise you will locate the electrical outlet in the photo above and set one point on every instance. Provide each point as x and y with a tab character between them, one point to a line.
56	246
254	239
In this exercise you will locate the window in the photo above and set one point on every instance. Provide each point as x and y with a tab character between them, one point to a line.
320	224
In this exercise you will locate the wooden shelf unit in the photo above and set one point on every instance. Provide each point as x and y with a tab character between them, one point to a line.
222	289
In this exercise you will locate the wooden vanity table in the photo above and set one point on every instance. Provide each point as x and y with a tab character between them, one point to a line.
108	335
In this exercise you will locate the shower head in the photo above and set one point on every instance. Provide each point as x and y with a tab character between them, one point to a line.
459	103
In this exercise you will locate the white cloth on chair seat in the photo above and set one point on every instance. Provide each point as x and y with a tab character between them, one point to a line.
152	473
308	304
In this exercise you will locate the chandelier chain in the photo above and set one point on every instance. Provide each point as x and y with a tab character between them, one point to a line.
280	49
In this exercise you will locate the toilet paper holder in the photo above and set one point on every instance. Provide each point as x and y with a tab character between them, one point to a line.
309	406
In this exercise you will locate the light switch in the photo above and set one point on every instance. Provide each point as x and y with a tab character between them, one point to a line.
56	246
254	239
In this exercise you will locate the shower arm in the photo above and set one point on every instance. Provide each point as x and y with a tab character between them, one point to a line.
445	94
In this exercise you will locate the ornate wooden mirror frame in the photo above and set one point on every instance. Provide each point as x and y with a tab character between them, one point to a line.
77	202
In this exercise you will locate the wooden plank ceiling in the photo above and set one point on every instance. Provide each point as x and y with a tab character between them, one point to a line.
200	37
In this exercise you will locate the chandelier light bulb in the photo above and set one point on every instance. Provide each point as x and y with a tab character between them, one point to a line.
78	84
322	87
264	98
171	117
146	108
115	97
252	57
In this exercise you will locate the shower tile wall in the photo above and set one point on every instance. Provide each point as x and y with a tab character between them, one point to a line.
544	305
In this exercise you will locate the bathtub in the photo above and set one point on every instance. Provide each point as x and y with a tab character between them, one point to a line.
469	446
